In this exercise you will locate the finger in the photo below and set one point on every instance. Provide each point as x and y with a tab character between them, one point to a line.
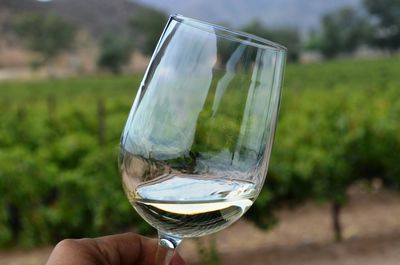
177	260
131	249
126	249
111	250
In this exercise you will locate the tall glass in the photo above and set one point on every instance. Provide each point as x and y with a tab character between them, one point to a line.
195	148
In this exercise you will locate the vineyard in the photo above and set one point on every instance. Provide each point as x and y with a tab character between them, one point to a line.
338	126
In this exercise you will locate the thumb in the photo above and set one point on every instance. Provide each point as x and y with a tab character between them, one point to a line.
123	249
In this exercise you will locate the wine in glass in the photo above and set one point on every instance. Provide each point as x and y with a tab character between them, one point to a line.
195	148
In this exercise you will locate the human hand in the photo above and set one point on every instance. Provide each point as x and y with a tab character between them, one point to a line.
123	249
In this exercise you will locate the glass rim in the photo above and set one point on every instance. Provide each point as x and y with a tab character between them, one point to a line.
236	35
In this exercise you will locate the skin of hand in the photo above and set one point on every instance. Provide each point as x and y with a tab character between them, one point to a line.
123	249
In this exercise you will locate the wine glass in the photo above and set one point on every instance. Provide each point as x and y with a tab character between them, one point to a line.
195	148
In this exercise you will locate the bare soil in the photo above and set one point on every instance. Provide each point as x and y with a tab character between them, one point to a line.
303	236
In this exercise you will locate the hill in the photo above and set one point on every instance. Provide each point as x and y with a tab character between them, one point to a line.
97	16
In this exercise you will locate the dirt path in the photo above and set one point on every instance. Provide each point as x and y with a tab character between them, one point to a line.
20	257
303	237
381	250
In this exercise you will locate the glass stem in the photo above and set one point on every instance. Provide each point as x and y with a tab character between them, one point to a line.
167	246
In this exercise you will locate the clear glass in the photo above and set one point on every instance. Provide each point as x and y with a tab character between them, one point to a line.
194	152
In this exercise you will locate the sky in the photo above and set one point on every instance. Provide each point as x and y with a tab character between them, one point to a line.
302	14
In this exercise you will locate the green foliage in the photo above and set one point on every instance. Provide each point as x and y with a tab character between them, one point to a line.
388	14
55	180
45	34
147	26
343	31
115	53
223	130
332	134
338	125
288	37
208	252
313	42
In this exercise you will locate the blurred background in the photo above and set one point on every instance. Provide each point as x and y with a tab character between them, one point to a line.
69	71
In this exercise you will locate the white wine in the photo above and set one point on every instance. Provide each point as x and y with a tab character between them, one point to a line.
191	205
